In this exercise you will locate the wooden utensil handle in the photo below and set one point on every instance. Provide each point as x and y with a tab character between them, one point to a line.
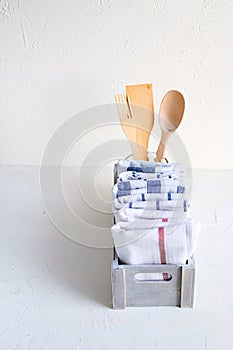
139	152
162	147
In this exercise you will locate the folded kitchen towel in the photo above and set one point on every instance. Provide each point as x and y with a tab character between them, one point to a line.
135	175
135	184
152	189
159	245
157	204
131	187
142	224
170	196
130	214
125	201
149	167
150	205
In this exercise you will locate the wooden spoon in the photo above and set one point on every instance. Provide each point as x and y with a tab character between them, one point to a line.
170	115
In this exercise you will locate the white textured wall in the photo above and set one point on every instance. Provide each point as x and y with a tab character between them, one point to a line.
60	57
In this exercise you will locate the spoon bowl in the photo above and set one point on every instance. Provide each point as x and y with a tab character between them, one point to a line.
170	116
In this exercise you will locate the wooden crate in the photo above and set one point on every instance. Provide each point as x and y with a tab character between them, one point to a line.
128	291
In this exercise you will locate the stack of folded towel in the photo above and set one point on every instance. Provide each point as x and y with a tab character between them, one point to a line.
150	206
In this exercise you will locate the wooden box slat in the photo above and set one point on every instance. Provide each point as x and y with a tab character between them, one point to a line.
126	291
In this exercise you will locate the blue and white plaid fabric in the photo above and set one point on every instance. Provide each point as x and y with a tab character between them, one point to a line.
137	175
150	167
150	205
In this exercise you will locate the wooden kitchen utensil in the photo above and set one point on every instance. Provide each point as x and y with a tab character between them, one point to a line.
170	115
141	107
127	123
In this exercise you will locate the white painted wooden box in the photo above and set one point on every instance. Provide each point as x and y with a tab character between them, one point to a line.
129	290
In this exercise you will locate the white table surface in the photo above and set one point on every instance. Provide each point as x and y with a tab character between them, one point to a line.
56	294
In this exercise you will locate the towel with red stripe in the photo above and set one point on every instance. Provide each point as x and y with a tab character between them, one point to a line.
152	226
162	243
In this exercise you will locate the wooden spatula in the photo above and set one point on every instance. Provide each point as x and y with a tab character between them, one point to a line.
140	101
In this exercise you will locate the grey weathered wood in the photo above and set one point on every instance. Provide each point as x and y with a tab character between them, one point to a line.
187	286
118	287
115	174
153	293
127	291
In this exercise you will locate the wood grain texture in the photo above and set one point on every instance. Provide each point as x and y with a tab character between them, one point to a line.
127	291
140	101
118	287
187	286
170	116
140	95
178	291
153	293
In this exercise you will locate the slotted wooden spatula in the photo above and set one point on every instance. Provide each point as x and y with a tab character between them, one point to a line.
141	107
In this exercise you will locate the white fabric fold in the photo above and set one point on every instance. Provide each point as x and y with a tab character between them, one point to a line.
130	214
137	175
151	214
147	197
153	205
166	245
149	167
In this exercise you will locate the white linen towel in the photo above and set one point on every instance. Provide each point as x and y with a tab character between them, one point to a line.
141	224
158	204
123	191
159	245
147	197
135	184
130	214
149	167
135	175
